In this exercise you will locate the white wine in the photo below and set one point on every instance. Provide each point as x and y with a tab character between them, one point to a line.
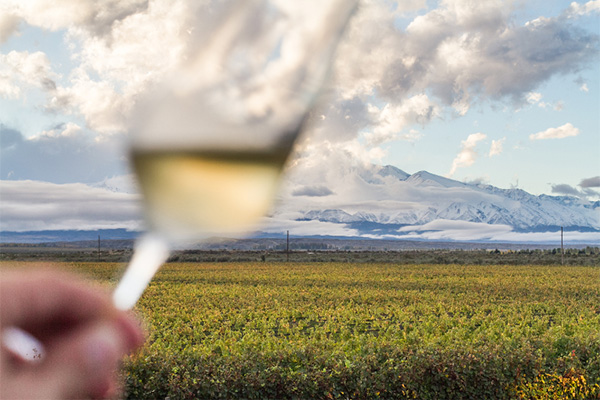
188	193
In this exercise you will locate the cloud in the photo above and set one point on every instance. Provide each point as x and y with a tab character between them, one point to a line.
462	51
9	23
584	88
119	49
339	120
587	188
312	191
22	70
442	229
96	17
474	231
412	136
589	185
496	147
566	130
280	224
393	118
590	182
455	54
34	205
467	155
119	183
565	189
578	9
534	97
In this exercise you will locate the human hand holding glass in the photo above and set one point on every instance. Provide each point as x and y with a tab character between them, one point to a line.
83	336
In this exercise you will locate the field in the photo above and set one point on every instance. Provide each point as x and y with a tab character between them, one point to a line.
262	330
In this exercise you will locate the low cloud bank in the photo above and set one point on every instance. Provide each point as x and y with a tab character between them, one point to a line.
36	206
474	231
438	230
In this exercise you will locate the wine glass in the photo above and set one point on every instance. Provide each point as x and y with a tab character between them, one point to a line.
209	142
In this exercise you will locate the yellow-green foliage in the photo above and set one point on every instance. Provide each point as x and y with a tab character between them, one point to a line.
572	386
343	330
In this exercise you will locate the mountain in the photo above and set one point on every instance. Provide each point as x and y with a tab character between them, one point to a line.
424	178
422	201
66	236
384	202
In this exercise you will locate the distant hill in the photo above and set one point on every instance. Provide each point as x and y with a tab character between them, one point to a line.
67	236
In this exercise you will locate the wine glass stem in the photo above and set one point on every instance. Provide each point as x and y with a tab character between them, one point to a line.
150	253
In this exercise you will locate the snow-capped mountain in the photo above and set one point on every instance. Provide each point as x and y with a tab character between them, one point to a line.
393	202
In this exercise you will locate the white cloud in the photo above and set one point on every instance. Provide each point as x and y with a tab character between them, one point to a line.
119	183
467	155
22	70
33	205
578	9
458	230
472	231
96	16
566	130
393	118
281	224
412	136
104	109
534	97
496	147
584	88
70	129
9	22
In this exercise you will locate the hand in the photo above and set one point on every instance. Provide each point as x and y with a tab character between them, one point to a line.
83	335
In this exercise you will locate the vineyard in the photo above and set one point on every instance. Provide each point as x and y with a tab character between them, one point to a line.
268	330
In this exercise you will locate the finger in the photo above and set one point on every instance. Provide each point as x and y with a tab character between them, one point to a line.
83	364
33	299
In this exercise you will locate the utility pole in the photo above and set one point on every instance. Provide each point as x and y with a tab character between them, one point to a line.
287	247
562	248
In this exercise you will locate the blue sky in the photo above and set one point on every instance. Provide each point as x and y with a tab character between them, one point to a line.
505	93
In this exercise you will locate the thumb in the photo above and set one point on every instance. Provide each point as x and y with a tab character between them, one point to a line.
84	363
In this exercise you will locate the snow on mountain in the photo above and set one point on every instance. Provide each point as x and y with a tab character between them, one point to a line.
424	178
391	197
390	170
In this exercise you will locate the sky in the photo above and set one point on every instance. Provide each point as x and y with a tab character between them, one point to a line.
501	92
